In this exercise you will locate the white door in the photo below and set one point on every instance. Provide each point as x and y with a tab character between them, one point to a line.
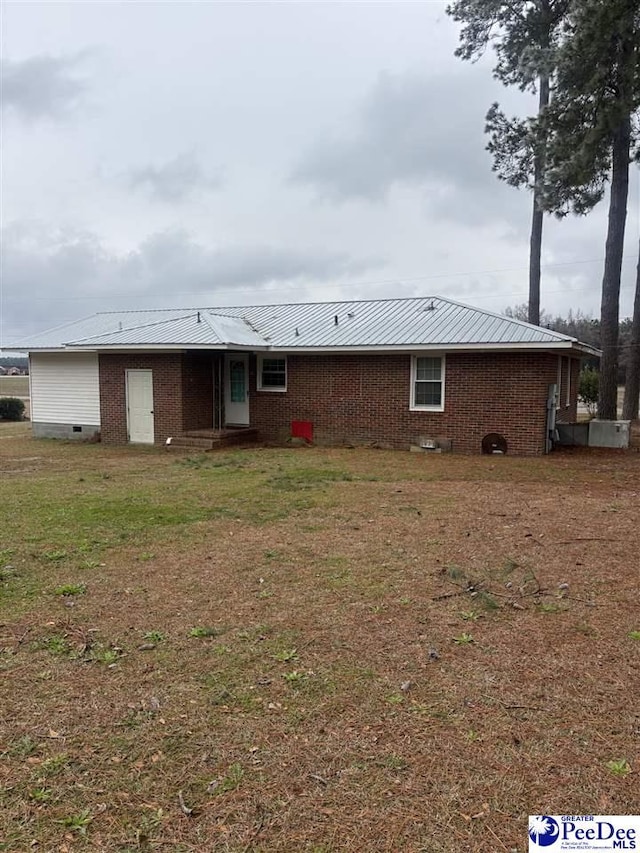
140	406
236	390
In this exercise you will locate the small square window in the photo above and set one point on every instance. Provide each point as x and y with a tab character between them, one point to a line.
272	374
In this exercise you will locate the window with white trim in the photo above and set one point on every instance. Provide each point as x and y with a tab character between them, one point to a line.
427	383
272	373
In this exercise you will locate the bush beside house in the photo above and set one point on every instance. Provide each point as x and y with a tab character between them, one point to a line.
11	409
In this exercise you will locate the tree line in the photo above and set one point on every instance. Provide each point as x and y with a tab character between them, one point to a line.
587	329
582	58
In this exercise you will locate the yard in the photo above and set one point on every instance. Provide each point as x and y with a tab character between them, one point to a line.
313	650
14	386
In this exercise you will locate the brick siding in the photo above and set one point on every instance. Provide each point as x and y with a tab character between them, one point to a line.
167	394
353	398
365	398
197	390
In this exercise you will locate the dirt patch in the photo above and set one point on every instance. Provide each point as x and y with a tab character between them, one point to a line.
314	650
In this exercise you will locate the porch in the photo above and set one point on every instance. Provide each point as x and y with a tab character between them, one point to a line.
211	439
199	397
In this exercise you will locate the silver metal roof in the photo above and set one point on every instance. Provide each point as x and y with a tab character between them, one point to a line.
426	321
199	328
421	322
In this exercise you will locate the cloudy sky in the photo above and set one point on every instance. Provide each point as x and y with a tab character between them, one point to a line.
174	154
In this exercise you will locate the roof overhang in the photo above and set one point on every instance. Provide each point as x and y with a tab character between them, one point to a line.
573	347
156	348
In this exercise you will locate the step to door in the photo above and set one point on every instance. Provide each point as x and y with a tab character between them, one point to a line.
186	442
205	440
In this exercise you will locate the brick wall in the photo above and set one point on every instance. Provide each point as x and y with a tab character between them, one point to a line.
197	390
352	398
365	398
167	394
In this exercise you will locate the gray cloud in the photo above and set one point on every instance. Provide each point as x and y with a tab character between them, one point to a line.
53	277
415	131
174	181
42	86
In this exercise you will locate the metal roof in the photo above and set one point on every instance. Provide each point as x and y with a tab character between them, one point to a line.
420	322
200	328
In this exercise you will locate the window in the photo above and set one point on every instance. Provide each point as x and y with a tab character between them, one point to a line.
427	383
568	383
272	373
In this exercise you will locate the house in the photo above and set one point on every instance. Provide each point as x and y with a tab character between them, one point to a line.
423	372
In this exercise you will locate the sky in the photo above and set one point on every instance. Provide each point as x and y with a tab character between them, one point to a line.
209	153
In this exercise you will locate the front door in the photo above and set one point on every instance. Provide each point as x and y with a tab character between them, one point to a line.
236	390
140	406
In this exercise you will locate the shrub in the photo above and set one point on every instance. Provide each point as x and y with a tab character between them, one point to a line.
588	386
11	409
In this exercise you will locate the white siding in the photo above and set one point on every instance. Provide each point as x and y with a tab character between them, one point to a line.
65	388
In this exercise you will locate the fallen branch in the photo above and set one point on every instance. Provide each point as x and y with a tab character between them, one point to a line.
449	595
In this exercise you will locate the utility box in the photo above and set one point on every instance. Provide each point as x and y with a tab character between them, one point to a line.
572	435
609	433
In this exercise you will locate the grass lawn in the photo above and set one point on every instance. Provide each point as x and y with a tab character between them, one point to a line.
14	386
313	650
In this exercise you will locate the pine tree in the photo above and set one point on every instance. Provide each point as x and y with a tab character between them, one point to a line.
588	135
524	35
632	377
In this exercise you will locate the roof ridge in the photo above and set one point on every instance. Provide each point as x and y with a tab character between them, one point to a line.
216	308
328	302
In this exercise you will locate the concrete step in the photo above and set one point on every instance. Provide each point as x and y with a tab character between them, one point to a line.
186	442
212	439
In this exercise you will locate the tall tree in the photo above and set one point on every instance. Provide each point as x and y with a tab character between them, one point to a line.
631	403
587	134
524	35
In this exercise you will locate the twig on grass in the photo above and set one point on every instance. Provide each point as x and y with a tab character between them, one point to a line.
450	595
257	829
510	707
586	539
23	636
496	837
584	601
184	808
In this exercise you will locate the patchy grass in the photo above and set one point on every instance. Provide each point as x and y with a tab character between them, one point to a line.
313	650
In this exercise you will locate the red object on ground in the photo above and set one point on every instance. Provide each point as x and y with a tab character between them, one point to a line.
302	429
